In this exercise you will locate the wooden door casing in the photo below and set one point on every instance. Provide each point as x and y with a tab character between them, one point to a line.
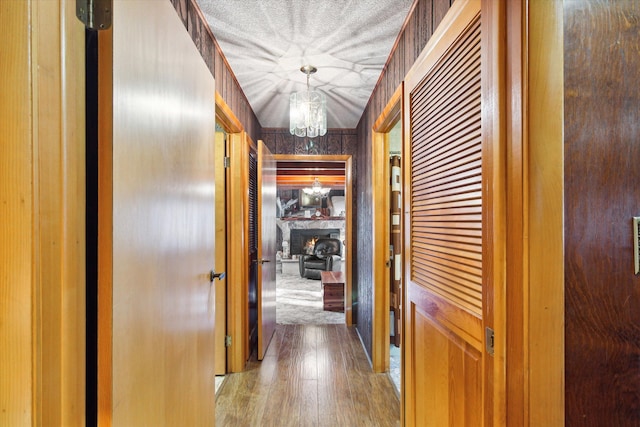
156	308
452	199
42	234
221	253
238	210
381	327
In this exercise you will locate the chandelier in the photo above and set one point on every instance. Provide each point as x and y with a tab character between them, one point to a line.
316	189
308	110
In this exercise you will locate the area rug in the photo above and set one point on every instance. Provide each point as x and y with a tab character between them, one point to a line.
299	302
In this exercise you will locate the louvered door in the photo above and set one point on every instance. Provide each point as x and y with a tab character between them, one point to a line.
444	262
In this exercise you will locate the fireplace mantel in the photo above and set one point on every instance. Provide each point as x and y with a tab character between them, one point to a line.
313	218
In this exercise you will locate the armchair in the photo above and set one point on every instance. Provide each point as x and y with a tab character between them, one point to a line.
326	256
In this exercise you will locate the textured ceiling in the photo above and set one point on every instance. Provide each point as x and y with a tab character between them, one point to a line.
267	41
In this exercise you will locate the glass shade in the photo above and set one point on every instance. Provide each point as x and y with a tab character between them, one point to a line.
307	114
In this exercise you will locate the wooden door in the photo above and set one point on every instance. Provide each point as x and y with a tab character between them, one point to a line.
156	222
451	265
221	253
266	248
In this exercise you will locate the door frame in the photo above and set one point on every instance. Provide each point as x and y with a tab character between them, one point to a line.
348	187
236	180
42	237
381	327
535	207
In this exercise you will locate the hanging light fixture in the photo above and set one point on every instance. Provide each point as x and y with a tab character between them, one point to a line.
316	189
308	110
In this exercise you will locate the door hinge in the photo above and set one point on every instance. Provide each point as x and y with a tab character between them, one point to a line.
94	14
489	339
227	341
227	162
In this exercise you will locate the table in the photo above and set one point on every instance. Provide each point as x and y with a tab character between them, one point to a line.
332	290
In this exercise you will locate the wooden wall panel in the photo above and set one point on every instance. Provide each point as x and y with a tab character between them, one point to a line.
182	8
419	27
226	84
602	149
335	142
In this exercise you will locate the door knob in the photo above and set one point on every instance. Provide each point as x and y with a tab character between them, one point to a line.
213	275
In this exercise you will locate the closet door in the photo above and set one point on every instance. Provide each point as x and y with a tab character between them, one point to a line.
450	288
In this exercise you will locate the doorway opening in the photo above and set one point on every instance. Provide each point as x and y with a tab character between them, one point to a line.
313	233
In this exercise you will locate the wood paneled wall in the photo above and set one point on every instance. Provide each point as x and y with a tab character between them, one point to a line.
423	19
602	149
226	84
336	141
420	24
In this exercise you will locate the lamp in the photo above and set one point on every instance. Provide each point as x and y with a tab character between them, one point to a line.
308	110
316	189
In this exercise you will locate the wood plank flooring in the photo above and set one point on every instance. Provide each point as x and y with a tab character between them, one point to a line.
312	375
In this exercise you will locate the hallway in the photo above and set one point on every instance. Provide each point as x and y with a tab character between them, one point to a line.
312	375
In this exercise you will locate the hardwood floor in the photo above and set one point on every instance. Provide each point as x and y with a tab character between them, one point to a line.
312	375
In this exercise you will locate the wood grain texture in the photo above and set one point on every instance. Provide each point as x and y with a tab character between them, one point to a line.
17	239
445	367
458	401
380	240
42	206
494	218
221	252
517	293
163	222
333	143
602	305
105	227
545	218
312	375
446	158
60	136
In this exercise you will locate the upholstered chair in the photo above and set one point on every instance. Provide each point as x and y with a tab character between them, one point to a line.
326	256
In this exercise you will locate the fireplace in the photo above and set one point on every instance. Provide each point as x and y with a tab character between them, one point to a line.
300	238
